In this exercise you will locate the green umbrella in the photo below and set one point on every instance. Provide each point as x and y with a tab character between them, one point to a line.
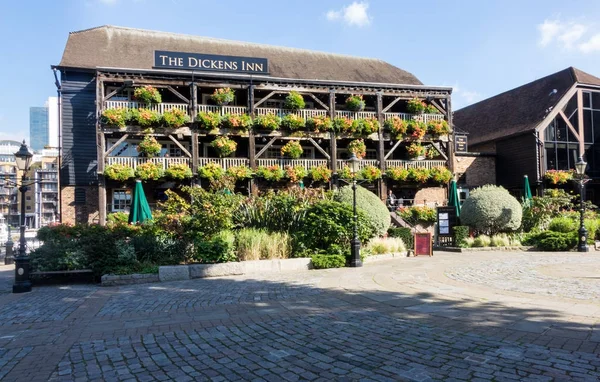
526	189
140	209
453	200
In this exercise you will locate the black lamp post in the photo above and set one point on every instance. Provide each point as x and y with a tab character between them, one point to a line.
355	261
22	283
580	169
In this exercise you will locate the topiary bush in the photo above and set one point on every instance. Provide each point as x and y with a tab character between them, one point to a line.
491	209
403	233
370	204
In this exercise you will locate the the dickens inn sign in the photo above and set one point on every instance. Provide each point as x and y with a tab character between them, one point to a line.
210	62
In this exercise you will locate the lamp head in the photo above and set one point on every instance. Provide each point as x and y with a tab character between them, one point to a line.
23	157
353	163
580	166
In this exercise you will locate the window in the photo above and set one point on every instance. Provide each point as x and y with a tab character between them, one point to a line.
123	95
28	198
121	200
28	208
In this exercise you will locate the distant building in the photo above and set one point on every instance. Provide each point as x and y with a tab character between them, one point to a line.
46	188
43	125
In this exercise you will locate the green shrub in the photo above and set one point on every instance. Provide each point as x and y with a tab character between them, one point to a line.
592	226
461	232
328	223
328	261
218	249
468	242
294	101
562	224
491	209
500	240
482	241
370	204
557	241
282	212
403	233
540	210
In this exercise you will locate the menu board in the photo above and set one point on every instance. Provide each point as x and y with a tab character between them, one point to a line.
446	220
460	143
423	244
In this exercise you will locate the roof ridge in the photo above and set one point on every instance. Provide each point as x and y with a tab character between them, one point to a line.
236	42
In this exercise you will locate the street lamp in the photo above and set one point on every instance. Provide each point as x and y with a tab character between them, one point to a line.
580	169
355	261
22	283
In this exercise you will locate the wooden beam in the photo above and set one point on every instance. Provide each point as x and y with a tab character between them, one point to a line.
318	100
251	100
332	141
451	142
440	108
171	137
392	149
388	107
261	152
181	97
580	120
440	150
570	125
194	101
319	148
101	182
266	98
251	135
195	148
113	147
111	94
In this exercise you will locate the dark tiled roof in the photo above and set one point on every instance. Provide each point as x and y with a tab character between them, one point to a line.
118	47
518	110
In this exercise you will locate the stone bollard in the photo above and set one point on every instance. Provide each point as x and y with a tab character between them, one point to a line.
9	259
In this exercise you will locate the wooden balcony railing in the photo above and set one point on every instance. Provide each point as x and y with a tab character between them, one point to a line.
223	109
158	107
225	163
408	117
133	162
304	113
363	163
415	163
306	163
356	114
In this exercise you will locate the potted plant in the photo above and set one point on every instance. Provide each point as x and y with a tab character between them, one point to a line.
270	173
149	171
115	117
294	101
370	173
144	117
397	127
416	129
319	123
179	172
149	146
211	171
175	118
237	121
268	121
209	120
147	94
293	122
342	125
415	151
366	126
119	172
346	174
558	176
440	175
223	96
224	146
398	174
239	172
295	173
437	128
358	147
355	103
415	106
418	174
320	173
292	149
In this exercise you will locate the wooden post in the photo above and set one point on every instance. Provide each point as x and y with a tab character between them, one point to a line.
580	121
195	154
102	203
452	142
381	148
332	136
251	140
194	100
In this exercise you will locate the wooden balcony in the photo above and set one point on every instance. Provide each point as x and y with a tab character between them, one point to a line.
225	163
133	162
415	163
304	113
222	110
355	114
361	164
306	163
158	107
408	117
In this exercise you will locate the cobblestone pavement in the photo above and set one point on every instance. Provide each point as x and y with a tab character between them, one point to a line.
6	278
450	317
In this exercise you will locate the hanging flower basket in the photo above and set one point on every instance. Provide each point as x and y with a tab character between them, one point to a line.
179	172
115	117
343	125
267	122
437	128
419	174
415	106
366	126
209	120
270	173
149	146
295	173
239	172
320	173
147	94
119	172
224	146
358	147
416	129
294	101
397	127
149	171
319	123
292	149
440	175
175	118
370	173
211	171
355	103
223	96
558	176
237	121
415	151
398	174
293	122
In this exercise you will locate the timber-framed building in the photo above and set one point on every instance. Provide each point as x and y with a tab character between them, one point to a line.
101	68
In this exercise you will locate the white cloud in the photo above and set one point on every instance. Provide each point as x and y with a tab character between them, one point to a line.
354	14
592	45
568	36
464	97
109	2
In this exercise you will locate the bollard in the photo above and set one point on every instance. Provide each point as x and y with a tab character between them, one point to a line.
9	259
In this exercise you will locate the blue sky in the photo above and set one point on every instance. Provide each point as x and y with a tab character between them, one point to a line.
480	48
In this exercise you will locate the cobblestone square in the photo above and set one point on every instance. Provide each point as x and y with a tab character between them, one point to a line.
477	316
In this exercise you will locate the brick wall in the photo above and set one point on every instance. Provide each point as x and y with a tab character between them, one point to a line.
72	212
431	195
479	170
